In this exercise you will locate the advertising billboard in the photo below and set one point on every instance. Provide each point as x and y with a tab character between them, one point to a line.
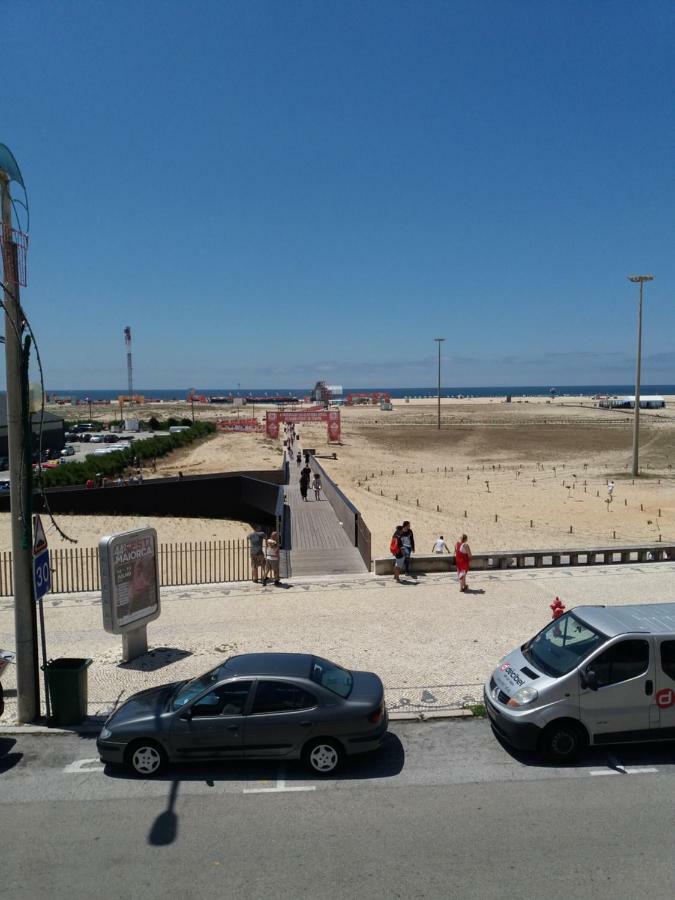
129	579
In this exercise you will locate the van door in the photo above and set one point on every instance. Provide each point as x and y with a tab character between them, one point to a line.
618	710
665	689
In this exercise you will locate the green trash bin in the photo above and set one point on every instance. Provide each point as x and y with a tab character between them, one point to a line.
67	682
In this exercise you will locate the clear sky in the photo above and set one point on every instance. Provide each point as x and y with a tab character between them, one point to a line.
275	192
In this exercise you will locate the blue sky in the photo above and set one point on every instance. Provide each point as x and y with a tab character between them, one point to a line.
274	192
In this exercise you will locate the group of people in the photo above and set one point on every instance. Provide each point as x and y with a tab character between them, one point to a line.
402	547
265	552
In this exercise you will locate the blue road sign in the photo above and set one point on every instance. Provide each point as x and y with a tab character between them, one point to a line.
42	575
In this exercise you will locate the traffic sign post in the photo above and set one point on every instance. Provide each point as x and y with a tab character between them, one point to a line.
42	580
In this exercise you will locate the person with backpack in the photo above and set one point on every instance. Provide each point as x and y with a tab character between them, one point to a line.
396	551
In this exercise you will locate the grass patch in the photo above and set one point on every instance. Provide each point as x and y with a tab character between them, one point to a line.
477	710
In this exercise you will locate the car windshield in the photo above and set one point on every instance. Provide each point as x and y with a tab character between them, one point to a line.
562	645
331	676
191	689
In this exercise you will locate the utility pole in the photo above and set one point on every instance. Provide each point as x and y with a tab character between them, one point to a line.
638	279
19	434
439	341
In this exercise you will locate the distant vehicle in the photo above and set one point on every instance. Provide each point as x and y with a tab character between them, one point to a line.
4	486
68	451
175	429
111	438
258	706
82	427
96	439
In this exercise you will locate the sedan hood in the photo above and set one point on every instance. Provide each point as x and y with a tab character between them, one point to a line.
144	704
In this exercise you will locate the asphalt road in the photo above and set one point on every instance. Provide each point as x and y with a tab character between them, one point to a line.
442	811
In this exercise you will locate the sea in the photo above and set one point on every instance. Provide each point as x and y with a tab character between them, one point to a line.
537	390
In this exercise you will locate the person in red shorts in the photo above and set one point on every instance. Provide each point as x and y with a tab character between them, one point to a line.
462	561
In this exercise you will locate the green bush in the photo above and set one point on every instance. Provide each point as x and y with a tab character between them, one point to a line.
115	463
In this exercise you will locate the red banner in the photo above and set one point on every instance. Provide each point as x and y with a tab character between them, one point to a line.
334	426
238	425
272	424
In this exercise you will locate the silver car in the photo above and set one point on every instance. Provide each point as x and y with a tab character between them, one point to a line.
597	675
253	706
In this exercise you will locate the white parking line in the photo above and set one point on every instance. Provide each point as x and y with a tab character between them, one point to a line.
280	788
82	766
625	770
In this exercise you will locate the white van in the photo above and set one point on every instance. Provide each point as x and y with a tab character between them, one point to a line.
597	675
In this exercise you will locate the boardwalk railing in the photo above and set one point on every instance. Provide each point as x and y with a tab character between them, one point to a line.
193	562
348	515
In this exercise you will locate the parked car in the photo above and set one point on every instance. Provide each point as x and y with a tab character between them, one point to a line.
68	451
597	675
96	439
4	485
111	438
257	705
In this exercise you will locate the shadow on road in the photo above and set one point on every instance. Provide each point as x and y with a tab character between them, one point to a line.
155	659
612	757
386	762
8	759
165	827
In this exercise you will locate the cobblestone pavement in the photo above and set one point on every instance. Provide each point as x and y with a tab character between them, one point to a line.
432	646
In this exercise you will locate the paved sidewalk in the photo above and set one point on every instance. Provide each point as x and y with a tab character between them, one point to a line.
432	646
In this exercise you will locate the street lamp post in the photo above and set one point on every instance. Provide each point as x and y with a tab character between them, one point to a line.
439	341
638	279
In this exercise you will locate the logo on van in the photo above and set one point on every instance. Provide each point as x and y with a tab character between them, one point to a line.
665	698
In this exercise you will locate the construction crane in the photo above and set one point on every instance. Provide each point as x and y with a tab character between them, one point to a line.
130	377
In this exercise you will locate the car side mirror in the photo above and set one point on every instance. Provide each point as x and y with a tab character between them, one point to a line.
186	715
591	679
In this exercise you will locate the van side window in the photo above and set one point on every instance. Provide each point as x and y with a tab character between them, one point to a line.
624	660
668	658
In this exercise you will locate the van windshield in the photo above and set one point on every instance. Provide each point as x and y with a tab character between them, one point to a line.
562	645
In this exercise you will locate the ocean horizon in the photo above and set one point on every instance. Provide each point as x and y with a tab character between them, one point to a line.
395	392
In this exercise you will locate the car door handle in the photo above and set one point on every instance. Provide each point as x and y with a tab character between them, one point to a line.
649	687
306	722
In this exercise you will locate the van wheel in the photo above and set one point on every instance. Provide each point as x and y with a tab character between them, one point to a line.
562	742
145	758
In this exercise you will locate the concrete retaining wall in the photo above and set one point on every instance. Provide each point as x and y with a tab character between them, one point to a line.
536	559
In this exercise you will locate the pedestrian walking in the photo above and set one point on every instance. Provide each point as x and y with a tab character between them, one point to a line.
397	552
610	490
304	482
316	484
272	558
407	545
256	540
462	561
440	546
298	459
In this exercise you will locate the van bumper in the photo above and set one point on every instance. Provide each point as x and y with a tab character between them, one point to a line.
520	735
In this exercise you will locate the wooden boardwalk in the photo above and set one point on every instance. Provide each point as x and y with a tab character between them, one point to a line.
318	543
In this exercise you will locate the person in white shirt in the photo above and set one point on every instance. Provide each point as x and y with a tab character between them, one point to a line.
440	546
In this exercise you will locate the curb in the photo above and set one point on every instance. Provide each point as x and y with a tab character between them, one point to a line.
93	725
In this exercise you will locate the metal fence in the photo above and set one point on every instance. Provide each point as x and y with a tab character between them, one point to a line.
193	562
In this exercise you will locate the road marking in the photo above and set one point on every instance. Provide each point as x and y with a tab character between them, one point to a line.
81	766
280	787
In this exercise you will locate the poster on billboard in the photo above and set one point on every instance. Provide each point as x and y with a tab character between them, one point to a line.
129	579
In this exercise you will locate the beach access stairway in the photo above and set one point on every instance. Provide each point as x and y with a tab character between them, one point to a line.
318	542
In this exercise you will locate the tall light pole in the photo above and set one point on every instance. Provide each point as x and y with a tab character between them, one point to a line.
638	279
439	341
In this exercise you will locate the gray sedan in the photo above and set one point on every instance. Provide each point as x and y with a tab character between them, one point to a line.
253	706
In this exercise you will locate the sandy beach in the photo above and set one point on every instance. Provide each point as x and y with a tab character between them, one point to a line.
511	475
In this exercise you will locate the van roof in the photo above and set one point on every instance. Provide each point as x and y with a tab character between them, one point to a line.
648	618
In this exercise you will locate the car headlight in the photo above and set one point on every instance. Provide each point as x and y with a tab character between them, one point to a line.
524	696
105	733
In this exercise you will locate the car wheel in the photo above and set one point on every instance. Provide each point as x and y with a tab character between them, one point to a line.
145	758
323	756
561	742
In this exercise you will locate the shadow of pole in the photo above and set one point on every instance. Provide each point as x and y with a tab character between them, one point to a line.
165	827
